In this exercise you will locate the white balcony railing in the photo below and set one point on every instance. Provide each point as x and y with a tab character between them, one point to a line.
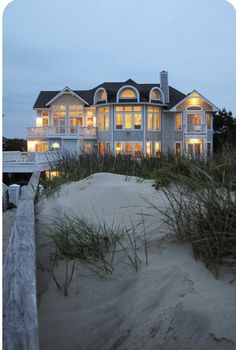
46	131
27	157
196	128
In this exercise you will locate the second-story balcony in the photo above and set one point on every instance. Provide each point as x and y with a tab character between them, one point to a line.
195	129
85	132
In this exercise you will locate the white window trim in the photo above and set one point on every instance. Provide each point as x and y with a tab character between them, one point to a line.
211	123
123	119
181	121
95	98
161	93
181	142
125	88
153	113
153	152
123	146
104	114
66	91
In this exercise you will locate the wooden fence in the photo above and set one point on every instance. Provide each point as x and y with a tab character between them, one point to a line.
20	316
5	197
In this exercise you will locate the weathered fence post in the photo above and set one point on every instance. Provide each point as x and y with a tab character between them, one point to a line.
20	316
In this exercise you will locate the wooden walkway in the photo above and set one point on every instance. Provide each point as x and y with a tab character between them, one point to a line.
20	316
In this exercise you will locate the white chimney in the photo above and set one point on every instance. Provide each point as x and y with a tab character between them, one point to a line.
165	85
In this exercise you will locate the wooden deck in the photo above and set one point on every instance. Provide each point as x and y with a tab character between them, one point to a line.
20	316
27	162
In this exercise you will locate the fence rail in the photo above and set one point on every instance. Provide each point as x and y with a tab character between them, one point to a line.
5	197
20	316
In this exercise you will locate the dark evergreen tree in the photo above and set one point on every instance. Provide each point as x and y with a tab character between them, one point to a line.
224	126
15	145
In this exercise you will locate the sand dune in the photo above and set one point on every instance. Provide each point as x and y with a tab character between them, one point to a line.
172	303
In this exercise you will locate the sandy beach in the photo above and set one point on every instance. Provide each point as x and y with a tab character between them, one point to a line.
171	303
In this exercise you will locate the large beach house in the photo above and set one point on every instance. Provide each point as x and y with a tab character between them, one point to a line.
123	117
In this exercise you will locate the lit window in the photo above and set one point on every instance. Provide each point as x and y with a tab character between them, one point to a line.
45	121
208	120
59	110
74	122
119	109
39	122
41	147
60	124
148	149
87	147
119	148
119	121
131	116
102	96
101	149
128	148
128	93
194	119
108	147
153	118
137	149
178	121
106	122
76	110
137	121
128	121
157	149
100	122
103	118
178	148
155	95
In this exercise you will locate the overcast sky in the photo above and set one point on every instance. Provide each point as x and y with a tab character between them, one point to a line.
50	44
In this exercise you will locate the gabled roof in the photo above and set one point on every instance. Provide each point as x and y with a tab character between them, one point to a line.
194	94
66	90
111	88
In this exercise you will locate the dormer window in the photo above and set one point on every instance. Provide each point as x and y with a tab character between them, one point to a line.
100	96
128	93
155	95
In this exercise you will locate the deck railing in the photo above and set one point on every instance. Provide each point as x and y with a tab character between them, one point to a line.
20	316
196	128
47	131
27	157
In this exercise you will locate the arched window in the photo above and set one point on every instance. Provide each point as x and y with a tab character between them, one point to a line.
55	146
128	93
156	94
100	96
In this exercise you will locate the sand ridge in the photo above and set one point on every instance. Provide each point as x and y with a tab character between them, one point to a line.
172	303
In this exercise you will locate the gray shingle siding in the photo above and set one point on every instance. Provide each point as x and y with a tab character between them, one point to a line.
168	132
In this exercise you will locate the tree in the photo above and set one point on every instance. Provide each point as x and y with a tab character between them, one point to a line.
224	126
15	145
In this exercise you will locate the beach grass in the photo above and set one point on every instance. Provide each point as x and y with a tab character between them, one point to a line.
74	240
